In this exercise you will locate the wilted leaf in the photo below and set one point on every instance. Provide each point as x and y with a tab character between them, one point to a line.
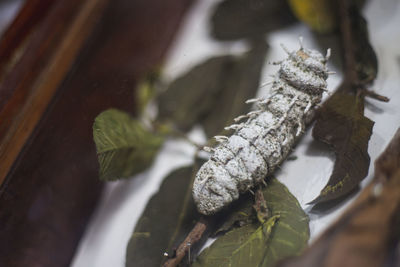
124	146
168	218
214	92
289	234
367	234
341	122
238	19
342	125
319	15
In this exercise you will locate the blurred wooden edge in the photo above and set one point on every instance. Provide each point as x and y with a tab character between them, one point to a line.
52	187
21	113
13	39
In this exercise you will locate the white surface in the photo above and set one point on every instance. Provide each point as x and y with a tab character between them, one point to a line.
104	243
8	10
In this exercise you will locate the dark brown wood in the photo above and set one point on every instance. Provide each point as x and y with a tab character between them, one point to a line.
14	37
52	188
34	44
30	85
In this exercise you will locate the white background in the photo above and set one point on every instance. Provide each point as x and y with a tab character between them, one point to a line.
104	243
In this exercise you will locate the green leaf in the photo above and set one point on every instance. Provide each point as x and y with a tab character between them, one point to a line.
238	19
214	92
263	245
342	125
124	146
243	246
239	214
238	85
193	95
167	219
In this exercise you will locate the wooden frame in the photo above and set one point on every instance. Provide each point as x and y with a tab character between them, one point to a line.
59	70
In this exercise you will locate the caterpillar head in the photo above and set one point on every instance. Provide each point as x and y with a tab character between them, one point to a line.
213	188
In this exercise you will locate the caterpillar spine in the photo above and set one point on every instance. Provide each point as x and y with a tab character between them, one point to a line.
264	137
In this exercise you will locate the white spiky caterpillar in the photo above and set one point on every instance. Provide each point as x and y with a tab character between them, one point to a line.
260	143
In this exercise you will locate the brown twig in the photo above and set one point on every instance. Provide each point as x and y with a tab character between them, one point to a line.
376	96
194	236
350	63
347	42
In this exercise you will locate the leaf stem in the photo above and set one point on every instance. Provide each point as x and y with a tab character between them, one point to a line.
260	206
178	133
168	129
376	96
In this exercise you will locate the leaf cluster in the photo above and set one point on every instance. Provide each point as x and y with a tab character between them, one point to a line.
212	94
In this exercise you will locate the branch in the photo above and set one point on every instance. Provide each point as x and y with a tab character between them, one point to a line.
194	236
349	52
376	96
347	43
